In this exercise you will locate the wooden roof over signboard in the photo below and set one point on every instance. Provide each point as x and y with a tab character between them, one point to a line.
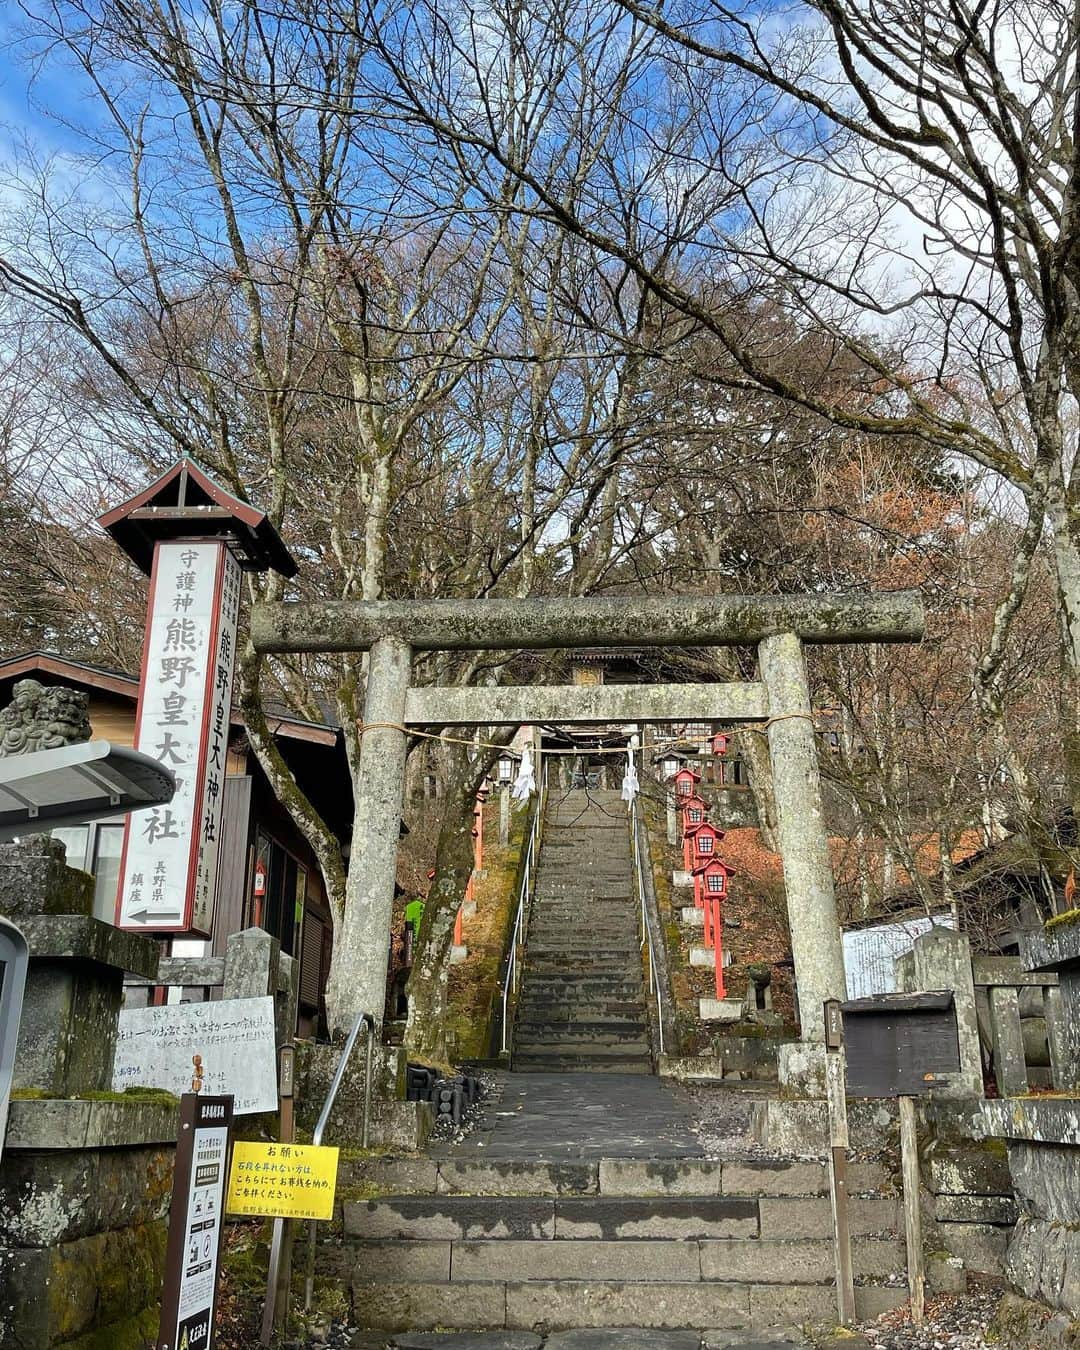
185	501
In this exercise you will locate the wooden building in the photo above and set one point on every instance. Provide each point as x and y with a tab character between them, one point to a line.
268	875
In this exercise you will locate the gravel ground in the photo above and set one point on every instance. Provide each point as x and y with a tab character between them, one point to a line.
953	1322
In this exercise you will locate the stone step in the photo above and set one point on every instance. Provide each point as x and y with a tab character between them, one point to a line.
602	1048
573	1064
622	1178
566	1304
450	1217
649	1260
536	1009
570	1033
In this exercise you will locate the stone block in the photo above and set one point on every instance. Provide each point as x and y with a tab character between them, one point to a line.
873	1300
692	917
675	1217
691	1068
962	1170
653	1176
35	879
1046	1179
468	909
989	1209
422	1307
52	1198
945	1274
449	1217
773	1303
800	1068
58	1124
703	956
680	877
585	1260
390	1174
981	1247
49	1296
512	1177
458	953
397	1261
775	1178
465	1340
570	1303
941	959
1044	1263
809	1261
812	1217
720	1009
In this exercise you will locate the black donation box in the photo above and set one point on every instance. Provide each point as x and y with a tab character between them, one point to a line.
898	1045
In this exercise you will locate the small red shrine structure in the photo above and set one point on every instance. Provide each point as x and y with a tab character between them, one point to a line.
720	742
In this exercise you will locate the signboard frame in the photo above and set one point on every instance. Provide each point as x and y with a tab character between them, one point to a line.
201	781
205	1117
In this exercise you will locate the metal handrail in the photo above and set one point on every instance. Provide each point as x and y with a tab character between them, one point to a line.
647	934
528	885
324	1116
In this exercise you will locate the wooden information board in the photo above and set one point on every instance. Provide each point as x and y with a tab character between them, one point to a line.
196	1223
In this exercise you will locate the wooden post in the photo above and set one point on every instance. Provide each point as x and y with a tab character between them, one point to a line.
835	1088
909	1162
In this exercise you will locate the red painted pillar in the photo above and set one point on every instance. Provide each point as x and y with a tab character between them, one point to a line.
706	905
718	944
458	939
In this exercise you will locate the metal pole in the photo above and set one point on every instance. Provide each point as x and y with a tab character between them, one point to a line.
804	845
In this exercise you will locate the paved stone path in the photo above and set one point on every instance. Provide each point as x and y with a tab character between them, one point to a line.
543	1116
614	1338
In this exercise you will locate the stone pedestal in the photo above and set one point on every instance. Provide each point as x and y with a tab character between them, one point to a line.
392	1122
86	1174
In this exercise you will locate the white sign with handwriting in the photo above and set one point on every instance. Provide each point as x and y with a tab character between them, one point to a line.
228	1047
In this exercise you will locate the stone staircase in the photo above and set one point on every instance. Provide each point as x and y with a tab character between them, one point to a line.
619	1242
582	1001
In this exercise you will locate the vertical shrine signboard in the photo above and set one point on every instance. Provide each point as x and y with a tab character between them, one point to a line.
168	870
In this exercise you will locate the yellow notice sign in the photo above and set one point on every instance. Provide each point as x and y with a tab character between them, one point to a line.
282	1181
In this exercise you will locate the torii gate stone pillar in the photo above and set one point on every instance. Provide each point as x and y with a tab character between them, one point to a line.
778	625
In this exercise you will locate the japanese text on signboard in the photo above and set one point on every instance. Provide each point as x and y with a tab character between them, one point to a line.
283	1181
170	852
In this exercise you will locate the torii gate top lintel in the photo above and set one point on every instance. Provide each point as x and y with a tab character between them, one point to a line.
611	621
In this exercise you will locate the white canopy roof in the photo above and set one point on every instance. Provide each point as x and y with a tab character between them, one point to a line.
77	783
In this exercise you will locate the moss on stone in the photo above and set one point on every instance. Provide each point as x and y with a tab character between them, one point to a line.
1070	916
133	1333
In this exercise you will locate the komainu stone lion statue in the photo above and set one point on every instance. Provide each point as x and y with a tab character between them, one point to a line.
42	717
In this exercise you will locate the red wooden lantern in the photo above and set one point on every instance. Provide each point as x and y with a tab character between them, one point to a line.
686	780
710	890
694	810
720	742
711	881
705	839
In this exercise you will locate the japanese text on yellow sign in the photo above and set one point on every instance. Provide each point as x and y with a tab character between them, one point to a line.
282	1181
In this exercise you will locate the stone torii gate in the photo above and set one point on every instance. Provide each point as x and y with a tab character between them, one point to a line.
392	630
